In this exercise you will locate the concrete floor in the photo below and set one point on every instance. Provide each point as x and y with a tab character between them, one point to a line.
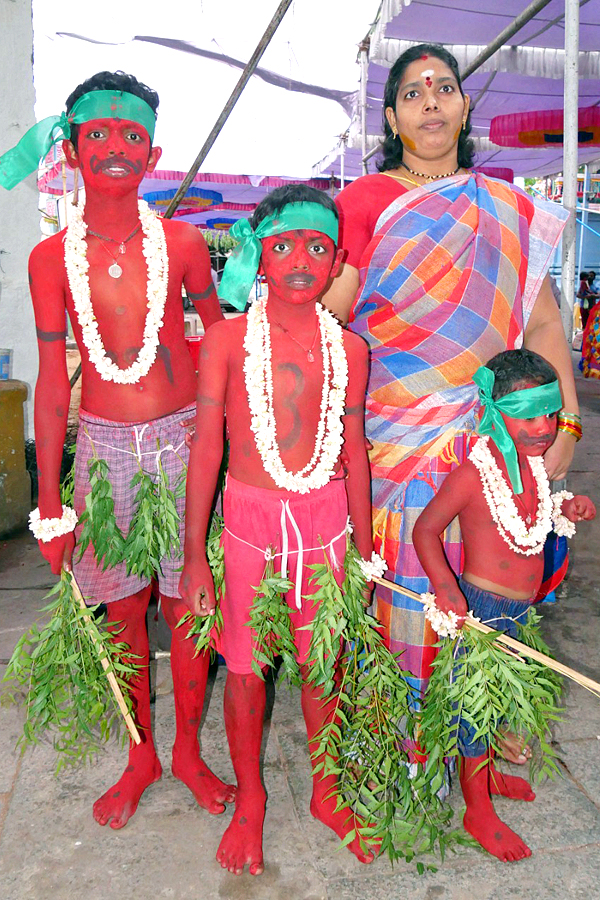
50	847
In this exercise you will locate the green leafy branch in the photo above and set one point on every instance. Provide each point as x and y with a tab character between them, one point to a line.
100	527
493	689
365	743
271	627
58	668
154	530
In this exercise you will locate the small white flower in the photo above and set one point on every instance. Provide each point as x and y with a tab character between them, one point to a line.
376	567
562	526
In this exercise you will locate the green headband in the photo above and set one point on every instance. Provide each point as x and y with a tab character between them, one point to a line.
525	404
22	160
242	266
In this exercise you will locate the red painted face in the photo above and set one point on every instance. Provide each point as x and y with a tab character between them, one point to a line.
298	264
112	154
532	437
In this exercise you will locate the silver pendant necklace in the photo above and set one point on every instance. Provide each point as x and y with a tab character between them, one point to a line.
115	270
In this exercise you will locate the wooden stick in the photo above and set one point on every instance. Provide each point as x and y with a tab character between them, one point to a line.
135	735
515	646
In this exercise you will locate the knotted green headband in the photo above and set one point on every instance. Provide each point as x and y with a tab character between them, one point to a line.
242	266
526	404
22	160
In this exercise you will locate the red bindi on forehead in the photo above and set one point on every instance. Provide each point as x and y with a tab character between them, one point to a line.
424	57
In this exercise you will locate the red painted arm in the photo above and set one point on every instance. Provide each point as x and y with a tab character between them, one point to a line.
196	585
450	500
358	480
197	279
52	391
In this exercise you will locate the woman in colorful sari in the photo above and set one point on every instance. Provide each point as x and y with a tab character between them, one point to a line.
445	268
590	347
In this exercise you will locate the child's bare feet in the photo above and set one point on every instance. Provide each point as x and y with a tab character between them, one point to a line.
120	801
241	844
342	822
494	836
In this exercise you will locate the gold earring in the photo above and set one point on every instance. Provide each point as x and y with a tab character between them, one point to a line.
394	131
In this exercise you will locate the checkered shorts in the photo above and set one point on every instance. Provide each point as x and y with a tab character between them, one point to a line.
122	445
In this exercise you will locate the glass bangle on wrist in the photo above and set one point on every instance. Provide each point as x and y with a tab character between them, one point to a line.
570	423
46	530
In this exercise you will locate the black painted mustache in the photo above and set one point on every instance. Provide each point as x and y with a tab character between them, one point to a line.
98	165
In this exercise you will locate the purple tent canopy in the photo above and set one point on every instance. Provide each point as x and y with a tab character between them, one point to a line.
240	193
524	76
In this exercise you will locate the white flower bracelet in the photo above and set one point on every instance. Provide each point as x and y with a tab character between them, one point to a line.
46	530
562	526
376	567
444	624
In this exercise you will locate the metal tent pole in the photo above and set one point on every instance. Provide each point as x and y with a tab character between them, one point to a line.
233	99
364	69
584	218
503	37
571	95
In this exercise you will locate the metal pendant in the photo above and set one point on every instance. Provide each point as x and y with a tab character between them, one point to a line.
115	271
309	355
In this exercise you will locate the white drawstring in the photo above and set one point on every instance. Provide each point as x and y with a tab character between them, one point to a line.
300	551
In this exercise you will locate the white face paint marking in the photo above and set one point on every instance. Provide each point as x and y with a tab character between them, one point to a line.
427	73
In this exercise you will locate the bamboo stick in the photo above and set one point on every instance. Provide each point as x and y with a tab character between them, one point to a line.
135	735
515	646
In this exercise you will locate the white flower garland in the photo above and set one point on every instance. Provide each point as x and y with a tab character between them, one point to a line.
500	500
374	567
562	525
47	529
77	266
444	624
258	374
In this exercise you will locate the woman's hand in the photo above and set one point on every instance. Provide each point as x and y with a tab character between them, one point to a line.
559	456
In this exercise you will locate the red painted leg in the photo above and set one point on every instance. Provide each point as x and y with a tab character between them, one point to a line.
322	804
244	713
480	819
189	684
510	786
127	618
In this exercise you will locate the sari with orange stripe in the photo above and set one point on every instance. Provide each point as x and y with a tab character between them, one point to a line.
449	279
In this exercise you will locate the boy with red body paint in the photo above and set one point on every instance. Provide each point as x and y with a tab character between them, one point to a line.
298	231
498	583
113	151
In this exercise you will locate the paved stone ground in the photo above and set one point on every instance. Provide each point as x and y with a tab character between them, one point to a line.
50	847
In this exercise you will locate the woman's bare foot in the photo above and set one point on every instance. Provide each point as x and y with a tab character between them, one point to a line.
513	750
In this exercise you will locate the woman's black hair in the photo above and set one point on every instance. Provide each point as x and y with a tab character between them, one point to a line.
515	367
110	81
290	193
392	146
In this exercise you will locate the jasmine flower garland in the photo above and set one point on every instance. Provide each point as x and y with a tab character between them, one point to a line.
77	266
258	372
